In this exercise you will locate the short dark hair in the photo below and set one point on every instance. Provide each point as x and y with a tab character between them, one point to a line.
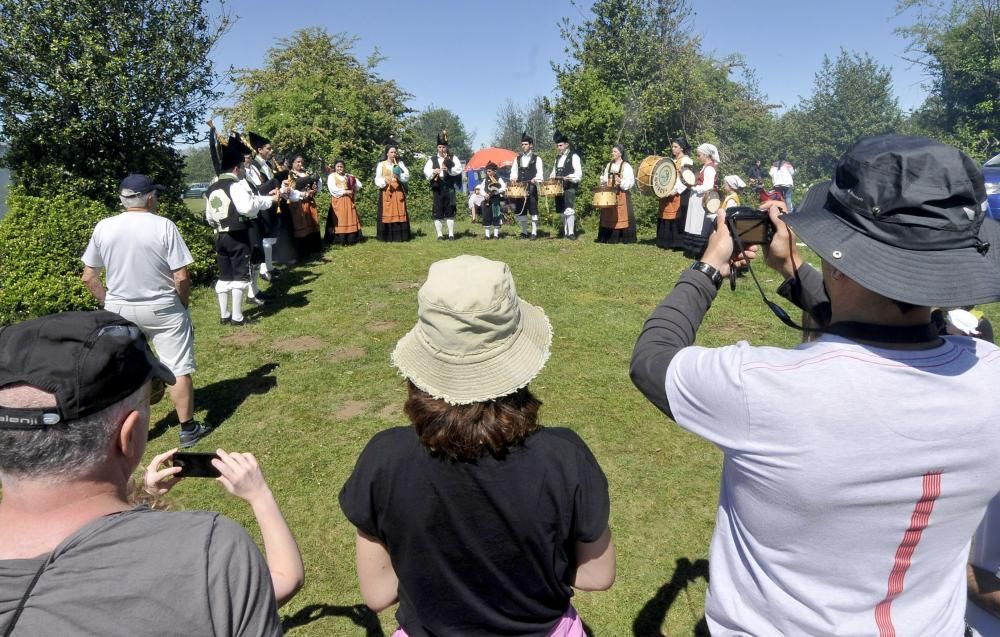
466	432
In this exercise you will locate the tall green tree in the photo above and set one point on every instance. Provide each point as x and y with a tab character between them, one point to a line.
513	121
852	97
958	46
91	90
198	164
314	97
428	124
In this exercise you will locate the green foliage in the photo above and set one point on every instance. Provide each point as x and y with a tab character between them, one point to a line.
852	98
958	45
93	91
196	234
198	165
513	121
635	75
313	97
426	126
43	241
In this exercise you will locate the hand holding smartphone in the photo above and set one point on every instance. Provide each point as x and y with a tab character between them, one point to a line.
195	464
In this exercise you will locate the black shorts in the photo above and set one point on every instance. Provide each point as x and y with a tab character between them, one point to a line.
232	253
444	203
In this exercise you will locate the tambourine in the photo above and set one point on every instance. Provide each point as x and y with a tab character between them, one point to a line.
710	201
688	178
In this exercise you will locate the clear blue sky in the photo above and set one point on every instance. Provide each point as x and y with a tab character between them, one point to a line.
440	50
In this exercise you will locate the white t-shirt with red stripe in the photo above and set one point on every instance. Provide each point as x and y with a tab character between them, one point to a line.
986	555
854	479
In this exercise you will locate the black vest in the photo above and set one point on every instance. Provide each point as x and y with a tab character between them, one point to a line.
527	173
451	181
232	221
566	170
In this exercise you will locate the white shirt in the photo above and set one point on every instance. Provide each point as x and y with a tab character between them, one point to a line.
380	181
246	202
577	173
456	169
834	455
140	252
679	185
707	182
258	175
522	161
339	190
782	175
626	174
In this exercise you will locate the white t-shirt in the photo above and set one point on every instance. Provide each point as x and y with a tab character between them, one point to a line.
986	555
140	252
853	480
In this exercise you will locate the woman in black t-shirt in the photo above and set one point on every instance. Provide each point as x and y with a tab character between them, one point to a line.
478	520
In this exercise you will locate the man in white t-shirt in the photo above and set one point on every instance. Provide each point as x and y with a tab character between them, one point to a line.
783	178
146	261
858	465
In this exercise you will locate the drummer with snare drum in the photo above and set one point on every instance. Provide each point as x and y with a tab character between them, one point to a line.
569	169
617	220
528	168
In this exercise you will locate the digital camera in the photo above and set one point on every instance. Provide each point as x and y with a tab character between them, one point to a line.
753	227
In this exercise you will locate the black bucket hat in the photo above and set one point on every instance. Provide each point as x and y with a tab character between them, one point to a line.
903	217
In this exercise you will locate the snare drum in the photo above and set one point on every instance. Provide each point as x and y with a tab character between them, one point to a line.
657	176
517	189
688	177
551	188
710	201
605	197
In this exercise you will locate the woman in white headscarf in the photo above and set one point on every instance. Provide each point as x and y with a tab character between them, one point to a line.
731	186
695	235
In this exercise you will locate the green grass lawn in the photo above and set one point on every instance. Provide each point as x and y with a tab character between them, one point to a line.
306	386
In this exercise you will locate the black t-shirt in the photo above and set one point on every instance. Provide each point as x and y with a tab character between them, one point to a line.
485	547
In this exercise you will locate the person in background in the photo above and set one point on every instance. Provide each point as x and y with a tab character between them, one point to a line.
696	226
476	199
261	170
241	475
477	519
732	185
568	168
673	208
783	179
391	178
146	261
444	172
528	168
492	208
342	221
302	209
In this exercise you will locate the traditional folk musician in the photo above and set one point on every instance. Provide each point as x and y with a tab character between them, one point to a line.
528	168
303	210
391	178
673	208
494	187
230	209
568	168
343	226
444	171
698	225
618	223
261	170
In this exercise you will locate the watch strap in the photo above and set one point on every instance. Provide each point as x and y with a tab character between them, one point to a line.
710	271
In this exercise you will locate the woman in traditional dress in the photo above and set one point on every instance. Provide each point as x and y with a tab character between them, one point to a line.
343	226
673	208
303	211
618	223
391	177
731	186
698	226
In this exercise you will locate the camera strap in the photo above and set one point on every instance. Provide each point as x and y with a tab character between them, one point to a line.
27	593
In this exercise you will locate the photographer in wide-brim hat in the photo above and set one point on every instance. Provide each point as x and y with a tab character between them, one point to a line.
476	518
879	437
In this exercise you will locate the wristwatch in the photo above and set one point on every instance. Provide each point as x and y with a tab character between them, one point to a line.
708	271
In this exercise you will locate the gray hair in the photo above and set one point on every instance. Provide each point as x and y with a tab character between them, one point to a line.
66	451
135	201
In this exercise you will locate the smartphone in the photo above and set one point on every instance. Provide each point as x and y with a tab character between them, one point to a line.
195	465
753	227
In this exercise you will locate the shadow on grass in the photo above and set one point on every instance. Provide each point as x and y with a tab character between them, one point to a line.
649	620
360	614
221	399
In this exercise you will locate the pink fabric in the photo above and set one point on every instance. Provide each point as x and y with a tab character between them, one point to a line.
569	626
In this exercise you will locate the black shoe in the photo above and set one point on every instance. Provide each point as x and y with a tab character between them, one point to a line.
572	237
441	238
524	235
246	321
452	237
487	238
533	237
190	437
225	320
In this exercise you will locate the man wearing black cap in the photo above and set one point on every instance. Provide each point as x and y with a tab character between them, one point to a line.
230	209
857	466
570	170
528	168
146	261
444	171
75	557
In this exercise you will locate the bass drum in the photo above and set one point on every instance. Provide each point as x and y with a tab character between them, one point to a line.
605	197
657	176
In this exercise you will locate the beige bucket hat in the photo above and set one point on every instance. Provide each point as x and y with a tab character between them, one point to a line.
475	339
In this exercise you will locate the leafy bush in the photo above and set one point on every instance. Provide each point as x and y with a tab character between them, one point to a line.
43	239
197	235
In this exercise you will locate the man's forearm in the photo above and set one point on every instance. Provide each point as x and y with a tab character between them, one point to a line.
671	327
92	279
182	283
984	589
